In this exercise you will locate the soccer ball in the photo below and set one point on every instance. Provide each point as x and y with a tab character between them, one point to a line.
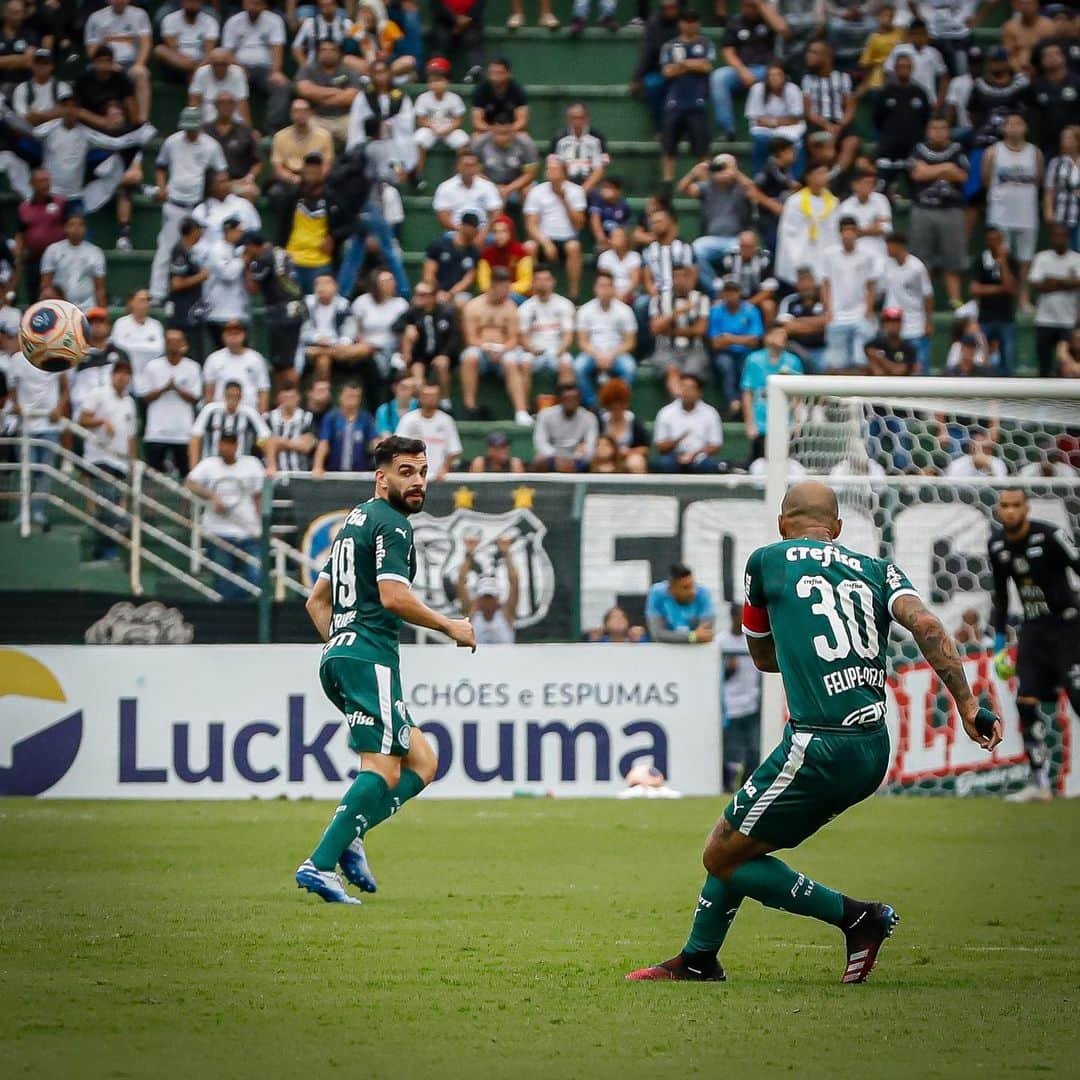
54	335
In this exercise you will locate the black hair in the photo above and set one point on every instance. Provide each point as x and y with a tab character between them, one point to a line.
679	570
696	379
396	445
231	383
543	267
897	236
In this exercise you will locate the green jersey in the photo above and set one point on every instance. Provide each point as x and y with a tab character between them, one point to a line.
828	610
374	544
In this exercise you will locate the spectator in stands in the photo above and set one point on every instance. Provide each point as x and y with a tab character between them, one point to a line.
888	353
680	611
450	262
751	265
900	116
496	457
229	414
243	158
331	87
741	704
623	263
967	357
616	629
237	362
292	434
608	210
181	168
928	66
618	423
256	39
220	205
1068	357
184	307
328	334
391	111
402	399
545	18
17	41
327	22
774	110
1055	277
554	216
580	16
430	339
686	63
1061	195
503	249
1012	173
491	337
648	79
1054	98
1023	31
663	252
123	32
437	429
907	288
582	150
679	325
35	99
492	616
773	359
939	169
808	226
272	274
499	95
307	221
225	289
169	389
140	335
457	26
75	266
994	285
829	102
508	159
291	146
872	212
217	76
771	186
466	192
802	314
564	438
188	35
849	290
40	224
376	313
978	459
48	395
346	435
725	212
878	48
688	432
606	338
95	368
546	329
992	97
440	114
231	483
735	330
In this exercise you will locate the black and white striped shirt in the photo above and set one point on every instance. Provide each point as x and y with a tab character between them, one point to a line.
250	428
292	427
1063	181
661	259
750	273
827	94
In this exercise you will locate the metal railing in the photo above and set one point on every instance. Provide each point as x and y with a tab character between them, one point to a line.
131	510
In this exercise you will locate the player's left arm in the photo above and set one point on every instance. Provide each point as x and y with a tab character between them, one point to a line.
763	652
320	606
937	645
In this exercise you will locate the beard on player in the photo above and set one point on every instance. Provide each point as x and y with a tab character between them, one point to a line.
406	484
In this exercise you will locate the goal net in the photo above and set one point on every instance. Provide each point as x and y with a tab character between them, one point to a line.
917	464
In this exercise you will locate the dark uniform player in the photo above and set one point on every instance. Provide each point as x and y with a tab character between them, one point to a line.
1037	557
357	605
820	615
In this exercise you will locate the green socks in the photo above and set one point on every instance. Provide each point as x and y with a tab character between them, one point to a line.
774	884
352	818
409	785
716	909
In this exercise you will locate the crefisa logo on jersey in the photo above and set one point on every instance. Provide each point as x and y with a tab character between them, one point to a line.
39	735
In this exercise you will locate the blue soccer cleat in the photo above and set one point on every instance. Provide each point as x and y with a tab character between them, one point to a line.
354	865
324	883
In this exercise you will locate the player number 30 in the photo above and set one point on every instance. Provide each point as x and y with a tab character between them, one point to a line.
844	623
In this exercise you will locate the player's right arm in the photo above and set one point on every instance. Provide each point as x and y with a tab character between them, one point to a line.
937	645
320	605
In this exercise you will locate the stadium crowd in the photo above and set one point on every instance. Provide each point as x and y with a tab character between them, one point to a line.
281	205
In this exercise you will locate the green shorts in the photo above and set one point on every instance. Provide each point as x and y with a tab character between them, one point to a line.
370	696
806	781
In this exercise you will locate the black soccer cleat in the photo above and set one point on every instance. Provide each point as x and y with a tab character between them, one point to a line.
870	925
678	969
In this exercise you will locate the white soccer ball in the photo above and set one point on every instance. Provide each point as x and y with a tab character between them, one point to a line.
54	335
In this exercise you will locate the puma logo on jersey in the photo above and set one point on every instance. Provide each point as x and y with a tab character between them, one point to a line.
404	534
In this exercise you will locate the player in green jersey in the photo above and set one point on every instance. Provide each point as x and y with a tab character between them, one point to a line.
819	614
358	604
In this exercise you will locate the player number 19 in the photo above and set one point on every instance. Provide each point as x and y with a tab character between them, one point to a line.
843	621
343	565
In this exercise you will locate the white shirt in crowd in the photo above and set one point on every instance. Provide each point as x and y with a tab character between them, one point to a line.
605	328
907	287
212	213
439	112
554	220
119	410
169	417
191	37
35	391
64	151
375	320
482	198
1056	308
544	324
236	486
225	290
742	690
321	325
619	269
963	467
248	368
438	431
802	239
75	268
876	210
251	42
207	85
31	96
847	275
106	22
928	67
701	426
186	162
142	341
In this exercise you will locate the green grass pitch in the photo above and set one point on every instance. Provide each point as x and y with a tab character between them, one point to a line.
168	939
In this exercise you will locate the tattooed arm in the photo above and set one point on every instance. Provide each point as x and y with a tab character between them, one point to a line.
936	644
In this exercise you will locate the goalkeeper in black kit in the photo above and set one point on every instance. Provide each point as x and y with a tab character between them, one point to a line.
1037	557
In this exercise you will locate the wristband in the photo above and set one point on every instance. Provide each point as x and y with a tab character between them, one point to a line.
692	637
999	642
